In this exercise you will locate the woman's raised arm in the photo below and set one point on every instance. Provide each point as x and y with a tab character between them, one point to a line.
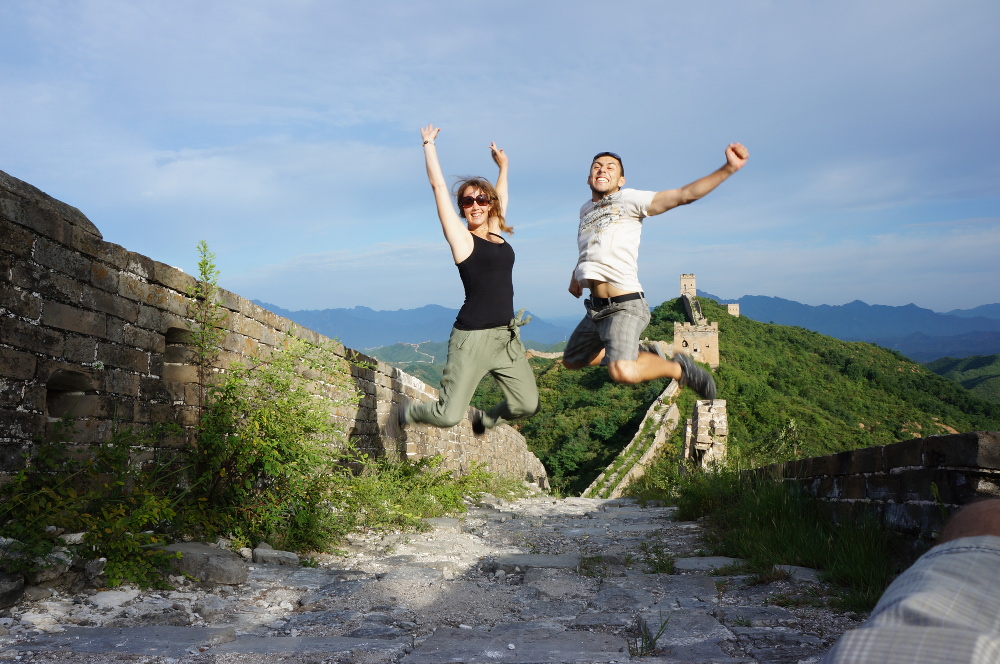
455	232
501	186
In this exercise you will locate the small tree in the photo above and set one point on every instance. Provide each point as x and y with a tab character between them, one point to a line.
207	324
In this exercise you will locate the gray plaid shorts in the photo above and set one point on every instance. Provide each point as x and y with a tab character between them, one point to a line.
616	328
944	609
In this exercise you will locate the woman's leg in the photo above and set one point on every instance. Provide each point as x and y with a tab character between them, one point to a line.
517	381
463	370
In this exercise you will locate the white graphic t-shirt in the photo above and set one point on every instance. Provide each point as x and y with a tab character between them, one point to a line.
608	238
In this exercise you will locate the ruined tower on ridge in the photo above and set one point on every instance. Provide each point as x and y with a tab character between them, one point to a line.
699	338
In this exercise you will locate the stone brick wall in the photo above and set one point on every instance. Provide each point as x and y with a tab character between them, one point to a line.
707	432
90	328
898	482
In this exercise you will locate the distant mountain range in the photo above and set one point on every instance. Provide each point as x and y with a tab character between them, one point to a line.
362	328
920	334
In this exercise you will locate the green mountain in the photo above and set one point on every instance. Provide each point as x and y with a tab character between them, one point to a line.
980	374
790	392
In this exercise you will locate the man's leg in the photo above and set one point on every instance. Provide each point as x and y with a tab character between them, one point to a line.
647	366
585	347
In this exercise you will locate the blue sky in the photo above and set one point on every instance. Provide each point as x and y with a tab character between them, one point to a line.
286	135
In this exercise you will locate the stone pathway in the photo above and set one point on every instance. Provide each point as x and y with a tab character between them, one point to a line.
539	580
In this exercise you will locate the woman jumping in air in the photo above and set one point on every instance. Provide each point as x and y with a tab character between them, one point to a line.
485	337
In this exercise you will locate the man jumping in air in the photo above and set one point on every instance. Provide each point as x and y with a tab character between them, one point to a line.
617	313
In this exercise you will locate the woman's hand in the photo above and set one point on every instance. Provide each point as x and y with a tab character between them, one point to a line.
498	155
429	133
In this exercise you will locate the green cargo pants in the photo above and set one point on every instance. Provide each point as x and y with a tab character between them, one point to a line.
471	355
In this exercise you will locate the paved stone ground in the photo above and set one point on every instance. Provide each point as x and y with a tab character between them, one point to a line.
535	581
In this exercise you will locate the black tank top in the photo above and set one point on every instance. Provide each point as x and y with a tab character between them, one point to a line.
489	290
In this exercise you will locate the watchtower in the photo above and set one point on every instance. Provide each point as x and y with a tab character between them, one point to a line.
699	341
688	286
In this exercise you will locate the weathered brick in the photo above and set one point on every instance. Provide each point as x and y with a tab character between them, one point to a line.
915	483
903	455
155	389
120	383
229	299
140	265
988	486
955	487
151	318
187	417
865	460
80	349
21	424
156	413
116	330
61	258
104	277
11	394
310	336
172	277
180	373
114	255
30	337
74	319
977	449
81	405
134	288
99	300
43	222
247	327
884	487
51	285
144	339
853	487
86	431
175	303
123	358
17	239
87	243
824	465
179	354
17	364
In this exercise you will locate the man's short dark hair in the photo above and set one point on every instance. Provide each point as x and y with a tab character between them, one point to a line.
597	156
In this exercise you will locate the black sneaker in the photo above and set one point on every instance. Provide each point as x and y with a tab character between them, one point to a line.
476	417
695	377
654	347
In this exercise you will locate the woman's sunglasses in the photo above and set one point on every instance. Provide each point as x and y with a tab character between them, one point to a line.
482	200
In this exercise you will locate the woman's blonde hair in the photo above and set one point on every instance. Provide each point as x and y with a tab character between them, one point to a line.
487	187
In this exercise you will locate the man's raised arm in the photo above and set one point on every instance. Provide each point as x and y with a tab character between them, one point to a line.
736	157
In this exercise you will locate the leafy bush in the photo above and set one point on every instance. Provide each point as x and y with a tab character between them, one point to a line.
121	502
268	452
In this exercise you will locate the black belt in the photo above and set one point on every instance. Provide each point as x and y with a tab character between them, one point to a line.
601	302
